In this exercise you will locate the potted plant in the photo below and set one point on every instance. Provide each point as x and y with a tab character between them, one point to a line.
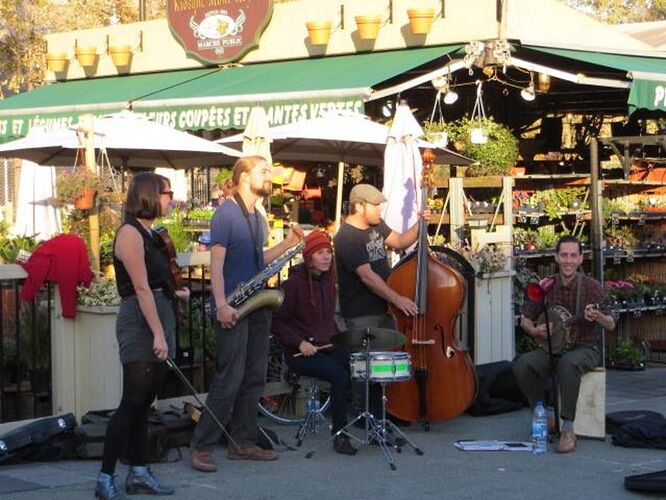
496	156
101	292
79	188
628	356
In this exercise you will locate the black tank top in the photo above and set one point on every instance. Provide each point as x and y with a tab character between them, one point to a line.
157	266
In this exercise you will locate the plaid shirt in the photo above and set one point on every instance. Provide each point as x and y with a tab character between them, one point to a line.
591	292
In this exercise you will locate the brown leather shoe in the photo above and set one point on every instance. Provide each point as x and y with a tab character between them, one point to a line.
567	442
203	461
251	453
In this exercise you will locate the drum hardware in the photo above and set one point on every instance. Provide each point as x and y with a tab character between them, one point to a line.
382	367
184	380
313	413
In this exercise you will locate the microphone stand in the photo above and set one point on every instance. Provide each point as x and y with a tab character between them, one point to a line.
553	376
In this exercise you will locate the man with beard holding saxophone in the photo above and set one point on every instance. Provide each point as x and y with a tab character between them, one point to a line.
237	254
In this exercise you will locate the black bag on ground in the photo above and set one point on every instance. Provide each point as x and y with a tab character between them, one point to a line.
168	430
642	434
652	482
617	419
498	390
46	439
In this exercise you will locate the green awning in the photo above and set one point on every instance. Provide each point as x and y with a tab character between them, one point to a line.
647	94
623	62
218	98
648	86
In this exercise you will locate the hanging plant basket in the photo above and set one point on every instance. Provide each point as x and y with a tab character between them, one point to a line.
87	201
368	27
421	20
319	31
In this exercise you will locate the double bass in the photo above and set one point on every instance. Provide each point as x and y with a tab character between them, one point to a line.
444	382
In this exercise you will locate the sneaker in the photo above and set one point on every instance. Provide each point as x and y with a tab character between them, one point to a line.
203	461
342	445
141	480
253	452
567	442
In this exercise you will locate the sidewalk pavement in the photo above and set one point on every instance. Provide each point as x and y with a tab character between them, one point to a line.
595	470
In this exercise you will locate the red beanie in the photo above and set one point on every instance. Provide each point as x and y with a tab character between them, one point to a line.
314	241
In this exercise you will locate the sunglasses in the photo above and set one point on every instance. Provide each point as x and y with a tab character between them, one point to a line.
170	193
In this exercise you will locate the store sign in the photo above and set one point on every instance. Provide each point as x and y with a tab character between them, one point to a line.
218	116
218	31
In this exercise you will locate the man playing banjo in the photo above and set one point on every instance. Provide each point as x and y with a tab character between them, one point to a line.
576	305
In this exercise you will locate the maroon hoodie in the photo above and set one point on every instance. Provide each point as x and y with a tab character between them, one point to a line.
307	311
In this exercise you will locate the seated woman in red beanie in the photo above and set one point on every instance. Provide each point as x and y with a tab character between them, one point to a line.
305	323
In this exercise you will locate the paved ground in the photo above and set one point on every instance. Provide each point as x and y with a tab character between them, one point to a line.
595	471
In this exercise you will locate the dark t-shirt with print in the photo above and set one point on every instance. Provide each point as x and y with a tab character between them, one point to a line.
353	248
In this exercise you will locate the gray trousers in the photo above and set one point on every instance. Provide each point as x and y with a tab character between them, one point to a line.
532	371
242	359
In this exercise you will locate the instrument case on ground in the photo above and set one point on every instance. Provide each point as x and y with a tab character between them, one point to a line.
49	438
652	482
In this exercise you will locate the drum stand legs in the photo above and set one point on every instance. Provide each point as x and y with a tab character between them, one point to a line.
376	431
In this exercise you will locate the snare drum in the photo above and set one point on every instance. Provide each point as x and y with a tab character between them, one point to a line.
383	366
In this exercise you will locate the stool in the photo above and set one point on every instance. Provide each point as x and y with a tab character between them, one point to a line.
590	418
313	412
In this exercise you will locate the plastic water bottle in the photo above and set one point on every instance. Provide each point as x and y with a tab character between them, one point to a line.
539	429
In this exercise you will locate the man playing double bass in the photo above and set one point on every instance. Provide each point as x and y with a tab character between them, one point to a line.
533	368
363	267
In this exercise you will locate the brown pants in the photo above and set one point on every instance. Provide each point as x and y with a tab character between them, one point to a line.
532	370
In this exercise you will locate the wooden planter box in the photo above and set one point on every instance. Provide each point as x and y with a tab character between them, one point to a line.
494	331
87	374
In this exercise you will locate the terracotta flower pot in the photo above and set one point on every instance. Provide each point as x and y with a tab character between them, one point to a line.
121	55
87	200
86	55
368	27
56	61
421	20
319	31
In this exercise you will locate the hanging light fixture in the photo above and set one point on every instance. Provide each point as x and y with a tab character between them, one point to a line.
528	92
443	86
450	96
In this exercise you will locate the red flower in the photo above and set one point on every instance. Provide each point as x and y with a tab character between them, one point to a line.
534	292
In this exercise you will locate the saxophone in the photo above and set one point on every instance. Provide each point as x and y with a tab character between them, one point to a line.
248	296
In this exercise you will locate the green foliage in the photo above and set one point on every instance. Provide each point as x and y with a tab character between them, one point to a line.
71	185
495	157
182	239
621	236
11	246
627	353
622	11
222	176
558	201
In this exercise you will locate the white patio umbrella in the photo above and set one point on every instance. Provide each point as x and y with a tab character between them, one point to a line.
402	171
256	136
36	213
130	140
338	136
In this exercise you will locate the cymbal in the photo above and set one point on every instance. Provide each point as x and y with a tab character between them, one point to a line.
377	338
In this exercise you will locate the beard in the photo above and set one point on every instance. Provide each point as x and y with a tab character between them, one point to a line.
266	189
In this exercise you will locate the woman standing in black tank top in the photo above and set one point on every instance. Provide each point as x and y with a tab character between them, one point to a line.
145	330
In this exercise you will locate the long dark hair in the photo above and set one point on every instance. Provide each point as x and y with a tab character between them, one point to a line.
143	195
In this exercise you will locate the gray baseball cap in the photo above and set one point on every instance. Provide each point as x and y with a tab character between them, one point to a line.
366	193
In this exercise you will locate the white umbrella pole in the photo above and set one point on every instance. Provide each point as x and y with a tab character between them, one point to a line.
93	215
338	198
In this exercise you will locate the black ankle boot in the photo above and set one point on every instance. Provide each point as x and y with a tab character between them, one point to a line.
342	445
